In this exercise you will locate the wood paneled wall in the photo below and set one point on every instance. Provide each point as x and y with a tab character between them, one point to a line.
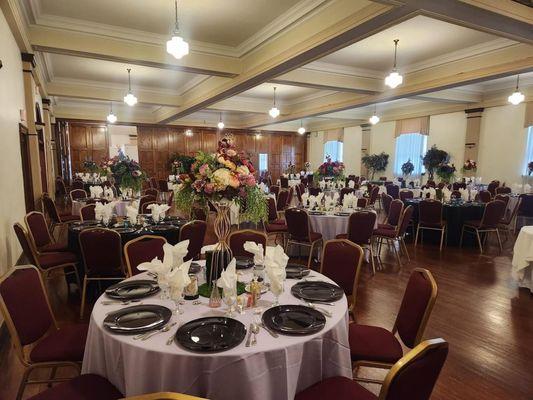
156	144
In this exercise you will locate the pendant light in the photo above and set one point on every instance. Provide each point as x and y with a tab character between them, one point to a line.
374	119
111	118
176	46
220	123
301	129
517	97
274	111
188	133
130	98
394	79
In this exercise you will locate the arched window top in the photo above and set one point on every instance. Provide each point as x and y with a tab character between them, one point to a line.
333	149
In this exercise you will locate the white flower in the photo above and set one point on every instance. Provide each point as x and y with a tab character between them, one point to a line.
243	170
222	178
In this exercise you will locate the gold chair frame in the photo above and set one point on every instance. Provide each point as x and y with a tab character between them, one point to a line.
473	230
164	396
30	234
391	241
311	245
443	231
132	241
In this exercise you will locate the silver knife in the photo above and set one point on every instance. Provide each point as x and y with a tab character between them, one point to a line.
272	333
249	338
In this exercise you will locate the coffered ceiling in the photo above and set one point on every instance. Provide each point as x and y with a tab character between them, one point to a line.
327	58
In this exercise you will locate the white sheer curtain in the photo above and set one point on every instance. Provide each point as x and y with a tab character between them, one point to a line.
529	149
410	146
333	148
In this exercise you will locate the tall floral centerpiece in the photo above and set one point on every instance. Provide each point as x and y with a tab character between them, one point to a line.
375	163
446	172
127	173
469	167
181	163
407	168
433	158
90	166
530	168
330	169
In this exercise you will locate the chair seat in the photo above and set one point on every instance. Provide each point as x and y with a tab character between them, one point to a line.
65	344
271	228
49	260
373	343
279	221
342	236
314	237
83	387
54	247
338	388
477	224
436	225
69	218
386	226
390	233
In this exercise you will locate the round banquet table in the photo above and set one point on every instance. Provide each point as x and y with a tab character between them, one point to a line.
523	258
274	369
330	225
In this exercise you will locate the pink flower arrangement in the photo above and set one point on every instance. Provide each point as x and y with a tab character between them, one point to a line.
334	169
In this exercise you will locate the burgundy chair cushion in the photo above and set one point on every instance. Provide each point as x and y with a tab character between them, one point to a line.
49	260
337	388
373	343
38	229
144	251
83	387
69	218
237	240
193	231
270	228
54	247
340	262
386	226
65	344
390	233
315	236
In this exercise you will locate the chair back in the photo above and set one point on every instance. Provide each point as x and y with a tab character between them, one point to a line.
153	183
386	200
395	212
406	219
143	249
503	190
77	184
456	194
163	185
38	229
101	249
491	188
61	189
362	202
430	212
299	192
145	205
393	191
314	191
238	238
431	184
145	199
151	192
284	182
484	196
25	307
50	207
25	243
341	262
414	376
360	226
526	205
417	303
283	199
494	212
87	213
298	225
170	199
406	194
502	197
374	193
198	213
77	194
274	189
193	231
344	192
510	215
272	209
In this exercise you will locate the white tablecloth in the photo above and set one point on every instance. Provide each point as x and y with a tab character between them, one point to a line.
330	225
274	369
523	257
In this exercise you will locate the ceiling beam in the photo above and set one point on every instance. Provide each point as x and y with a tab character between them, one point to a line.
451	96
347	22
88	45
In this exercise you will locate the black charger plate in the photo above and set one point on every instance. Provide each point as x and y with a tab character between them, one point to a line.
135	289
317	291
243	262
210	334
137	319
294	319
296	271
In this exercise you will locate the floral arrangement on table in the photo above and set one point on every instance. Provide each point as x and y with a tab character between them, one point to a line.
446	171
126	172
433	158
226	176
530	168
307	166
180	163
407	168
469	165
375	162
291	169
330	169
90	166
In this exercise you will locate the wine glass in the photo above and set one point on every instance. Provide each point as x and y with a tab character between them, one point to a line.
277	290
230	297
176	294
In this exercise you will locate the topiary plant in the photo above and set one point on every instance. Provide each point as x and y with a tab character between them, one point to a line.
432	159
376	162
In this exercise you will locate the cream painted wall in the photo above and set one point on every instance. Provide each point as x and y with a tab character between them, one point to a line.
12	206
315	149
353	137
382	139
447	132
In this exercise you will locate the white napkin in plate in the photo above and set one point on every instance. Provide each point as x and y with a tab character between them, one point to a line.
228	277
178	279
178	251
305	198
275	264
351	184
104	211
158	211
131	213
257	250
464	193
96	191
108	193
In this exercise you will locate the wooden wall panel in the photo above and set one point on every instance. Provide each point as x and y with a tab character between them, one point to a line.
87	142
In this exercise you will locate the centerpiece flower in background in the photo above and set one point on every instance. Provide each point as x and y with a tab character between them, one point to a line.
330	169
469	165
530	168
433	158
180	163
127	173
408	168
291	170
375	163
90	166
446	171
307	166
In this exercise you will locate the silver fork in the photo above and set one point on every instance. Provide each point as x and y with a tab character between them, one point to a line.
146	335
320	309
255	331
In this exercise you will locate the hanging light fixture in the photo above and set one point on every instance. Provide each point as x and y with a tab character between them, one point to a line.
374	119
301	129
130	98
188	133
274	111
176	45
517	97
394	79
220	123
111	118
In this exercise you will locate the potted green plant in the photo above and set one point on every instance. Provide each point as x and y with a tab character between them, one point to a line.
407	168
432	159
375	163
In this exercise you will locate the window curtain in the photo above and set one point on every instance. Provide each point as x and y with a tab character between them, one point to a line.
413	125
528	121
334	149
334	135
411	146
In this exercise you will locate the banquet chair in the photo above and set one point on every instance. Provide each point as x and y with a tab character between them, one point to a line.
77	194
47	262
362	202
412	377
153	183
508	222
274	189
526	208
386	200
360	229
57	219
193	231
491	188
284	182
152	192
431	184
39	234
374	193
300	233
198	213
237	239
163	185
503	197
283	199
61	190
101	250
87	213
35	336
143	249
393	215
275	225
170	198
145	199
393	191
503	190
430	218
84	387
484	196
394	236
344	191
341	262
77	184
145	205
456	194
377	347
406	194
493	213
314	191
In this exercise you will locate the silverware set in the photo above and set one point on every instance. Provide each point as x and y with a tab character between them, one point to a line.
147	335
121	302
320	309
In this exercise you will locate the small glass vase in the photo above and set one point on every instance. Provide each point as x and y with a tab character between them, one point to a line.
215	300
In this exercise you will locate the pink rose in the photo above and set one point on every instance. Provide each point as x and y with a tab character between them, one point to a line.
209	188
204	169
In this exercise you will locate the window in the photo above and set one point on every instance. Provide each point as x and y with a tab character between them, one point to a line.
410	146
529	149
263	162
333	148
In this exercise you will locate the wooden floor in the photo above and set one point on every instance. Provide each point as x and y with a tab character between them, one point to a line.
479	311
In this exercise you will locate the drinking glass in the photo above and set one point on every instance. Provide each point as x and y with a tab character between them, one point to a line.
230	297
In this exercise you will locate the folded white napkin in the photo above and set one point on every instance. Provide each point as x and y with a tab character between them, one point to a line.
104	212
329	203
96	191
263	187
161	269
351	184
319	197
257	250
305	198
473	194
131	213
336	197
464	193
446	194
158	211
176	253
171	178
108	193
228	277
322	184
275	264
178	279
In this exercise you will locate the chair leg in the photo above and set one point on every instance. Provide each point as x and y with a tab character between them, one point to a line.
23	382
402	243
310	255
441	239
83	293
499	239
416	236
53	372
372	260
396	253
479	242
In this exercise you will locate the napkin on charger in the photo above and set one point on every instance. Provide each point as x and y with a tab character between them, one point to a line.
464	193
257	250
275	264
108	193
446	194
96	191
178	279
305	198
351	184
158	211
104	211
131	213
228	278
177	252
